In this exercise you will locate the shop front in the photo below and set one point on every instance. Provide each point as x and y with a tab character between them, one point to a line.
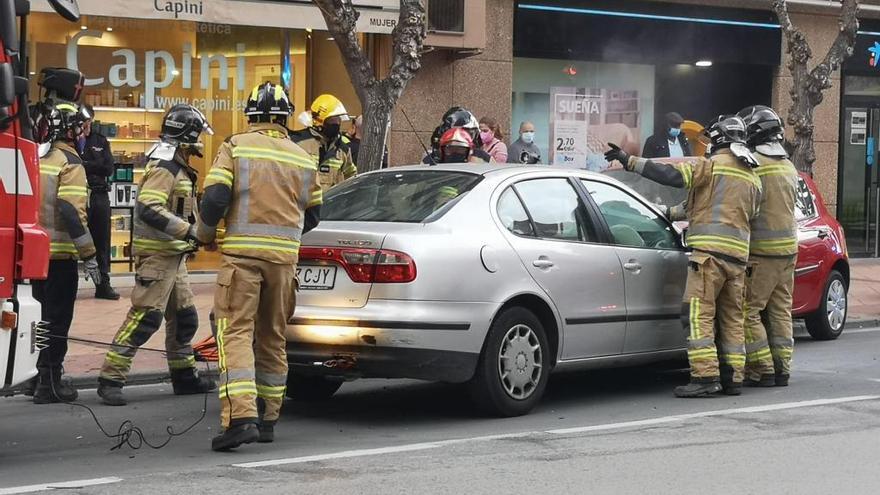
585	76
141	58
858	179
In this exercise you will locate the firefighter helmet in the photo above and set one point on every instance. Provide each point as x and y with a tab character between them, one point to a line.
268	100
456	146
183	124
61	83
325	107
457	117
729	131
763	125
66	120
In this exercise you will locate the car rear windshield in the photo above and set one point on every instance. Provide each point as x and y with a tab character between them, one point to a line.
405	196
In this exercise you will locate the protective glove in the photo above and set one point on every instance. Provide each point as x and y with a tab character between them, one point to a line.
90	266
191	237
615	153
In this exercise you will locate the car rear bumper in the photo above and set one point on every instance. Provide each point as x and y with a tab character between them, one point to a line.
427	340
381	362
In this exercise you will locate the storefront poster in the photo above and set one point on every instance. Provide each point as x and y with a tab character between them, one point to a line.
583	120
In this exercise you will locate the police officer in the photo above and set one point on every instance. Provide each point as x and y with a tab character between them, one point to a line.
322	139
63	198
98	162
723	197
458	117
772	254
266	189
164	235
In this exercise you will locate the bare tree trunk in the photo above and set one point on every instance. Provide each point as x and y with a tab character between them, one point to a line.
808	85
377	98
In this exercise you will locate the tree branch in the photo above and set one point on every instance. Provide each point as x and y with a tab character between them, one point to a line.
820	76
341	19
408	39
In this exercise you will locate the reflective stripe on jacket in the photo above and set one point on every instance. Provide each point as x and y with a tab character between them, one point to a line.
335	163
164	209
774	231
261	183
63	199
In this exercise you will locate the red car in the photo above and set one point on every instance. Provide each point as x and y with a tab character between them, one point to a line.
822	272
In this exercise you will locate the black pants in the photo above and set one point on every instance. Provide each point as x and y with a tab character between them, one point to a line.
57	295
99	226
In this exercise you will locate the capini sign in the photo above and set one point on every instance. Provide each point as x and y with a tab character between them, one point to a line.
123	73
177	8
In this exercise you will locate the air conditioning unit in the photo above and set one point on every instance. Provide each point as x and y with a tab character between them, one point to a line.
446	16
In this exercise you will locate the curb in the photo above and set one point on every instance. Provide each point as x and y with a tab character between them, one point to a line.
858	324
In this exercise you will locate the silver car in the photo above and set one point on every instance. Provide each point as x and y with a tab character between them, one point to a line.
494	276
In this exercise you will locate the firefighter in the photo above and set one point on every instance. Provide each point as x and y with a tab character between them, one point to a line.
456	146
723	197
164	236
266	189
322	139
772	254
63	196
458	117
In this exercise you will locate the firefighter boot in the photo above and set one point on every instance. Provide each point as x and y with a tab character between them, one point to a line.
188	382
106	291
696	389
51	388
766	380
267	428
781	380
234	436
111	393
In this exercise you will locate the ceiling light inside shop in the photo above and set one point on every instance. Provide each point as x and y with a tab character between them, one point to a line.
330	38
704	63
175	72
109	29
308	30
83	27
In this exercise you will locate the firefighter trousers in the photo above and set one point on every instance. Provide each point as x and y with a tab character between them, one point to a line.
161	288
57	297
253	302
715	289
767	308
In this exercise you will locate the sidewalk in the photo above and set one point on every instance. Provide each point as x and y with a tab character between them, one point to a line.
99	319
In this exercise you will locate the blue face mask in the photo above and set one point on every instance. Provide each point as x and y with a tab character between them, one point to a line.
674	132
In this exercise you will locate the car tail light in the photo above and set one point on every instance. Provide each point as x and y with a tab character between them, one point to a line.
379	266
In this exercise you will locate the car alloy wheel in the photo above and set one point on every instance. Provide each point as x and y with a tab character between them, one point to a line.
835	304
520	362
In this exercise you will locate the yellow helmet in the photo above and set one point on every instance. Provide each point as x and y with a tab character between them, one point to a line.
326	106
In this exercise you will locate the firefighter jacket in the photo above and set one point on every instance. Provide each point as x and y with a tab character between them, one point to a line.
266	189
164	210
64	195
335	163
774	232
724	195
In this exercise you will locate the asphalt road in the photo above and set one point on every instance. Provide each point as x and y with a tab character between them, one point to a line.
618	431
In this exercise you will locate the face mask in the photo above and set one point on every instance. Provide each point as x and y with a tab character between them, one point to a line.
330	131
528	137
487	136
674	132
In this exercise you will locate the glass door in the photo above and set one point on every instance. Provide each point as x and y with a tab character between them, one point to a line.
859	187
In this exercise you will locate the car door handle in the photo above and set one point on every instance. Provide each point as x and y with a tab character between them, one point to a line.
633	266
542	263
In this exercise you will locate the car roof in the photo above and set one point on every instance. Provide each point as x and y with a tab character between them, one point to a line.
496	170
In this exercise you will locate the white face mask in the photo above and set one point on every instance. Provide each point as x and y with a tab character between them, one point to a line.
528	137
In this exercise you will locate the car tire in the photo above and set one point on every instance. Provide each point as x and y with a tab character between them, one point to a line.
827	322
511	343
311	388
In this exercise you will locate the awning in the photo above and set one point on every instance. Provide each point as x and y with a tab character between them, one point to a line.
377	16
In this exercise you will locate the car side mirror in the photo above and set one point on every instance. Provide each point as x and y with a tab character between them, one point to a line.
7	85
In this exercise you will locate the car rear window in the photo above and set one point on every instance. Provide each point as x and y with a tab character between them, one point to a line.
405	196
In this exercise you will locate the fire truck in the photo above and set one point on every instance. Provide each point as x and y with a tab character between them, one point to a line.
24	245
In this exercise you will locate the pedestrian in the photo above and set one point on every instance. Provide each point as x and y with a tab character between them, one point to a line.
772	254
265	187
63	197
164	236
723	197
493	139
668	142
524	149
321	138
94	149
354	138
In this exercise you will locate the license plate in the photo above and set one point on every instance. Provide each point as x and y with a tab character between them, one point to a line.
316	277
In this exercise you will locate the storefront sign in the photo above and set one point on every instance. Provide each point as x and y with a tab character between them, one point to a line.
583	120
377	16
